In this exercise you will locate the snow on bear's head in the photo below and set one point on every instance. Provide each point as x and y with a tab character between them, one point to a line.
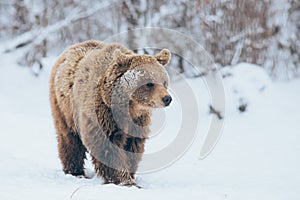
139	79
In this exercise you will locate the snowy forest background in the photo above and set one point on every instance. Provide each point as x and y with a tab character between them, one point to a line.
262	32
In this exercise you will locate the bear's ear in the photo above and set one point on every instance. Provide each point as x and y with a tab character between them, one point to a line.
122	59
163	57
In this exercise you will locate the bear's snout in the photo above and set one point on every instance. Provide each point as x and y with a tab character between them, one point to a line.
167	100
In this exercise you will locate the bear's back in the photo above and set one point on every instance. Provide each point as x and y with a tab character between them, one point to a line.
88	72
74	79
63	76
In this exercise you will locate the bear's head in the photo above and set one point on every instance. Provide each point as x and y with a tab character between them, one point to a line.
141	80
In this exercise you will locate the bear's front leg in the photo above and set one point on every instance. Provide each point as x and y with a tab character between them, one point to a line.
110	160
111	175
134	145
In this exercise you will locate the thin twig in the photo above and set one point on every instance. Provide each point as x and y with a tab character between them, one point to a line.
212	110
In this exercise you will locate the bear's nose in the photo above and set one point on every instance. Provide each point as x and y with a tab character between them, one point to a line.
167	100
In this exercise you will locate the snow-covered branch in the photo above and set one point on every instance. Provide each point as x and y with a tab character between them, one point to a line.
37	35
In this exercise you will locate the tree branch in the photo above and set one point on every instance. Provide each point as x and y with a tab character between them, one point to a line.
212	110
39	34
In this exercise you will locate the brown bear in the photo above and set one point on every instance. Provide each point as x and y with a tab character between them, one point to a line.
101	98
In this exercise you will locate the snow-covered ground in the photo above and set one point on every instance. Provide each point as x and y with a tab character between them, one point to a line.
257	156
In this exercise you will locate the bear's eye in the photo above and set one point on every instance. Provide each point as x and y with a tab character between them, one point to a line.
150	85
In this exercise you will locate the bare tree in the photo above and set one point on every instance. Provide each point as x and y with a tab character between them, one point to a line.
262	32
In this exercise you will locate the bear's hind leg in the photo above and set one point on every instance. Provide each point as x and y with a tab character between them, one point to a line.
72	154
70	148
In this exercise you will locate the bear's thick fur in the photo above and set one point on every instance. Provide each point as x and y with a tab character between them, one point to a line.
101	98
